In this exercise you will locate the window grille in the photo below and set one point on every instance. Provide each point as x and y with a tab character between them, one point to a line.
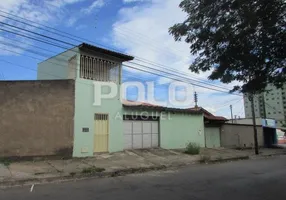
99	69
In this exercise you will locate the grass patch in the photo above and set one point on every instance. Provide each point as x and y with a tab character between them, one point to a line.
192	149
72	173
92	170
204	159
5	162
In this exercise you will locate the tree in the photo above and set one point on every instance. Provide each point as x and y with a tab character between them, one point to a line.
239	40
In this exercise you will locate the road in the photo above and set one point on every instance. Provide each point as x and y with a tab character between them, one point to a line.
250	179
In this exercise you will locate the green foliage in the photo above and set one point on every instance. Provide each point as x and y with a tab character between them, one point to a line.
92	170
72	173
192	149
5	162
238	40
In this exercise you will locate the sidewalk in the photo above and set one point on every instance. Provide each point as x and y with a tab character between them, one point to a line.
115	164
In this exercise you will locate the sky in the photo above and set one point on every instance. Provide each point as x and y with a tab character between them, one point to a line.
135	27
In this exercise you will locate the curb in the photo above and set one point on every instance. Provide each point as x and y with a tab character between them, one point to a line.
59	179
121	172
267	156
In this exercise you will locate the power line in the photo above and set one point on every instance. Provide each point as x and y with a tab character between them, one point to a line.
183	81
125	65
39	34
75	45
64	34
14	64
39	40
182	76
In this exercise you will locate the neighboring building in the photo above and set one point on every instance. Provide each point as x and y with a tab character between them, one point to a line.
247	121
270	104
213	126
240	133
240	136
113	126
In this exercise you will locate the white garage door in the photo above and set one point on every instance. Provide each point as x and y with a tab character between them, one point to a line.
141	134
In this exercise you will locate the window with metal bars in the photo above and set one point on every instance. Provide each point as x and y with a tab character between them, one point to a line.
100	116
99	69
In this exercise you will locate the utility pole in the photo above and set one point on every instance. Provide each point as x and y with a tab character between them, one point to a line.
251	99
231	113
196	99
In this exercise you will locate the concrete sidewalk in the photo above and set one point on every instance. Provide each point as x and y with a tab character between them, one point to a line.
110	164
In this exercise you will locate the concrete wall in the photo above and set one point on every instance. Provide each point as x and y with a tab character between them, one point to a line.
235	135
57	67
36	118
248	121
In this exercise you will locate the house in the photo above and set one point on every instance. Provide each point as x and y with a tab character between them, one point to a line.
64	116
212	126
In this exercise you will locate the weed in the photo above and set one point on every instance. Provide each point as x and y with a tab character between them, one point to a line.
92	170
5	162
192	149
72	173
204	159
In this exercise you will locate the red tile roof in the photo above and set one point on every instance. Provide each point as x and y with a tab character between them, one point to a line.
209	116
143	105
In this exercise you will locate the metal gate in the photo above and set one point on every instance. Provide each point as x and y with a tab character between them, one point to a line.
212	135
141	134
101	132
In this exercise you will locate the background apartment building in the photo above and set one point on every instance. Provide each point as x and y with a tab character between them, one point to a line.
271	104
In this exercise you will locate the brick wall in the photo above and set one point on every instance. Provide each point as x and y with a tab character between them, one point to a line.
36	118
237	135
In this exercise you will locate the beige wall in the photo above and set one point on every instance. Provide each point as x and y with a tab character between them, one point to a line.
234	135
36	118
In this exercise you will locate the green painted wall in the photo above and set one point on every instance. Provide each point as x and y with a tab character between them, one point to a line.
180	129
175	131
56	67
212	137
84	118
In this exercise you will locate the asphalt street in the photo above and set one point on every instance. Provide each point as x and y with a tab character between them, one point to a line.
250	179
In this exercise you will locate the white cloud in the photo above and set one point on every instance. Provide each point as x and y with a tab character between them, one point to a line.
142	30
95	5
134	1
43	12
80	27
71	21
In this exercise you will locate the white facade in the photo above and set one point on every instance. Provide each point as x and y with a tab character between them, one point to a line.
271	104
